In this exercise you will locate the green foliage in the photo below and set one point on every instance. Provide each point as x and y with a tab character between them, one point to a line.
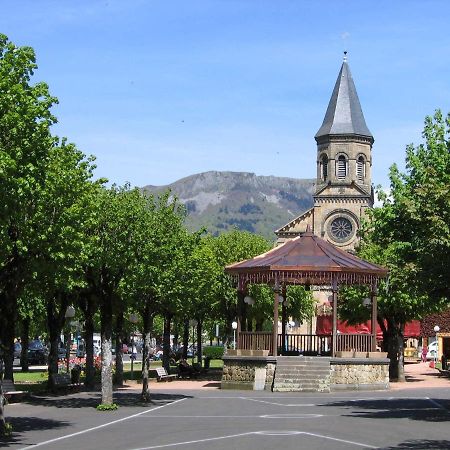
107	407
413	226
213	352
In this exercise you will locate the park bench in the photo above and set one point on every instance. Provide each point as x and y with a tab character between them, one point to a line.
63	381
162	375
9	390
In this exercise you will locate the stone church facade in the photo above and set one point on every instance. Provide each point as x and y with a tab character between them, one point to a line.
344	160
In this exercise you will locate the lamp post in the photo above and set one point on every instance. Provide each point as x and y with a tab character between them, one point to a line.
133	318
436	330
234	326
70	314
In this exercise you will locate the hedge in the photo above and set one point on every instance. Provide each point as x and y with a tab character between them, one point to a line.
213	352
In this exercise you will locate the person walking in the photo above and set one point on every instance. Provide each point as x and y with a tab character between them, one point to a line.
424	353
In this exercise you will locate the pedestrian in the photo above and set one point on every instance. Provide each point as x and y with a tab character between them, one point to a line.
424	353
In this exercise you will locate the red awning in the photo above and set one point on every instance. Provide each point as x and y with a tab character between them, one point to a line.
325	326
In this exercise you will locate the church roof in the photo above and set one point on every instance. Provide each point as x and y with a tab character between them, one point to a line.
344	114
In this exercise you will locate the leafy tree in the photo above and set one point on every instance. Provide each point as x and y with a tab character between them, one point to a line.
410	235
228	248
25	143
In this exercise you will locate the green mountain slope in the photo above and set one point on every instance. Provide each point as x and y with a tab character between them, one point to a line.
223	200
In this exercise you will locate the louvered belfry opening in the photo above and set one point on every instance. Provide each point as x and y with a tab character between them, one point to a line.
324	167
341	167
360	169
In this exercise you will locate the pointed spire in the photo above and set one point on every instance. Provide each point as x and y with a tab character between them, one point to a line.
344	114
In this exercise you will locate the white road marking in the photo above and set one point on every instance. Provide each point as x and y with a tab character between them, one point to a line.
275	433
265	416
50	441
434	402
276	403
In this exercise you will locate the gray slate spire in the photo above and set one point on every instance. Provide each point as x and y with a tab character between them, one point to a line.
344	114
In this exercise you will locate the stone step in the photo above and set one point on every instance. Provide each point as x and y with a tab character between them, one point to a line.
303	363
292	369
298	389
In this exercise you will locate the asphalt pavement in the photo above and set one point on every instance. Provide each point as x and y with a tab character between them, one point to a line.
208	418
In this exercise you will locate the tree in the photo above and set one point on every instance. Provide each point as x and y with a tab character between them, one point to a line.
228	248
25	143
410	235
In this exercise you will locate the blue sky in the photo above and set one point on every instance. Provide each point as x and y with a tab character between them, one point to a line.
159	90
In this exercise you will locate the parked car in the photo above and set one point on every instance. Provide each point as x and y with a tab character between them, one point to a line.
17	349
37	353
432	348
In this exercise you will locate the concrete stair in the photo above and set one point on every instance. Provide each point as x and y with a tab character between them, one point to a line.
302	374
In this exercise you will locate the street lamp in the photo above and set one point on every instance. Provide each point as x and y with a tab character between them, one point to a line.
133	318
70	314
234	326
436	330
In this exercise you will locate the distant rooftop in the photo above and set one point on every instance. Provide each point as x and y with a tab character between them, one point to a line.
344	114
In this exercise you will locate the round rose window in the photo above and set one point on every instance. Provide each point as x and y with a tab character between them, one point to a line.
341	229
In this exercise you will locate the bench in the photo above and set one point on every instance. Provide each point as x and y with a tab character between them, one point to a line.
63	381
162	375
9	390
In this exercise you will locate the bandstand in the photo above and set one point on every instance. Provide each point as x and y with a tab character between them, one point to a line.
352	359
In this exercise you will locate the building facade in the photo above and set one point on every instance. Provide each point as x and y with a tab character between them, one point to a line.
344	160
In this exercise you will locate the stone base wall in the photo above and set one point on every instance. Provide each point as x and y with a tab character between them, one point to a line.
359	374
254	373
257	373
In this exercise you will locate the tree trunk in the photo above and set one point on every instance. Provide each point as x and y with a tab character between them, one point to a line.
147	320
185	338
166	342
394	334
119	348
55	321
106	333
199	341
7	335
2	400
89	381
24	338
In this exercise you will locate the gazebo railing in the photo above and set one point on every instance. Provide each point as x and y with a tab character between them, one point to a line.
256	340
304	343
354	341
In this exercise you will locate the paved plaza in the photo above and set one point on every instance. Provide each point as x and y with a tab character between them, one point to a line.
200	416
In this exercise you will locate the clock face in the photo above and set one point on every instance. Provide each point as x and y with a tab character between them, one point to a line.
341	229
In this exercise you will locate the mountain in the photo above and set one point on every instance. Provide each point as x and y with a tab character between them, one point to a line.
222	200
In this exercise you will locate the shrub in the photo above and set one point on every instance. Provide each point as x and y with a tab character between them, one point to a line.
213	352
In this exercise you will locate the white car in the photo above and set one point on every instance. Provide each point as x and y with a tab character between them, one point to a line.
432	348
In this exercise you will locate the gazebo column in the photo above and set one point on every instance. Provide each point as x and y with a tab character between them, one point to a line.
240	303
276	292
283	321
373	298
334	330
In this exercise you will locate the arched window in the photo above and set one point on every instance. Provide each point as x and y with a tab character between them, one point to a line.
341	167
360	169
324	163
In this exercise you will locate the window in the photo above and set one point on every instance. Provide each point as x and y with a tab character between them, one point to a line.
324	164
341	229
360	169
341	167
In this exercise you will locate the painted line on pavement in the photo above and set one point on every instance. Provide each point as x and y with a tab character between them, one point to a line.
50	441
275	433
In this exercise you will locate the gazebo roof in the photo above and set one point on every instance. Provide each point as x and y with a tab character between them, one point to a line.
306	259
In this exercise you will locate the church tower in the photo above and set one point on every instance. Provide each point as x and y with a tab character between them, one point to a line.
344	159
